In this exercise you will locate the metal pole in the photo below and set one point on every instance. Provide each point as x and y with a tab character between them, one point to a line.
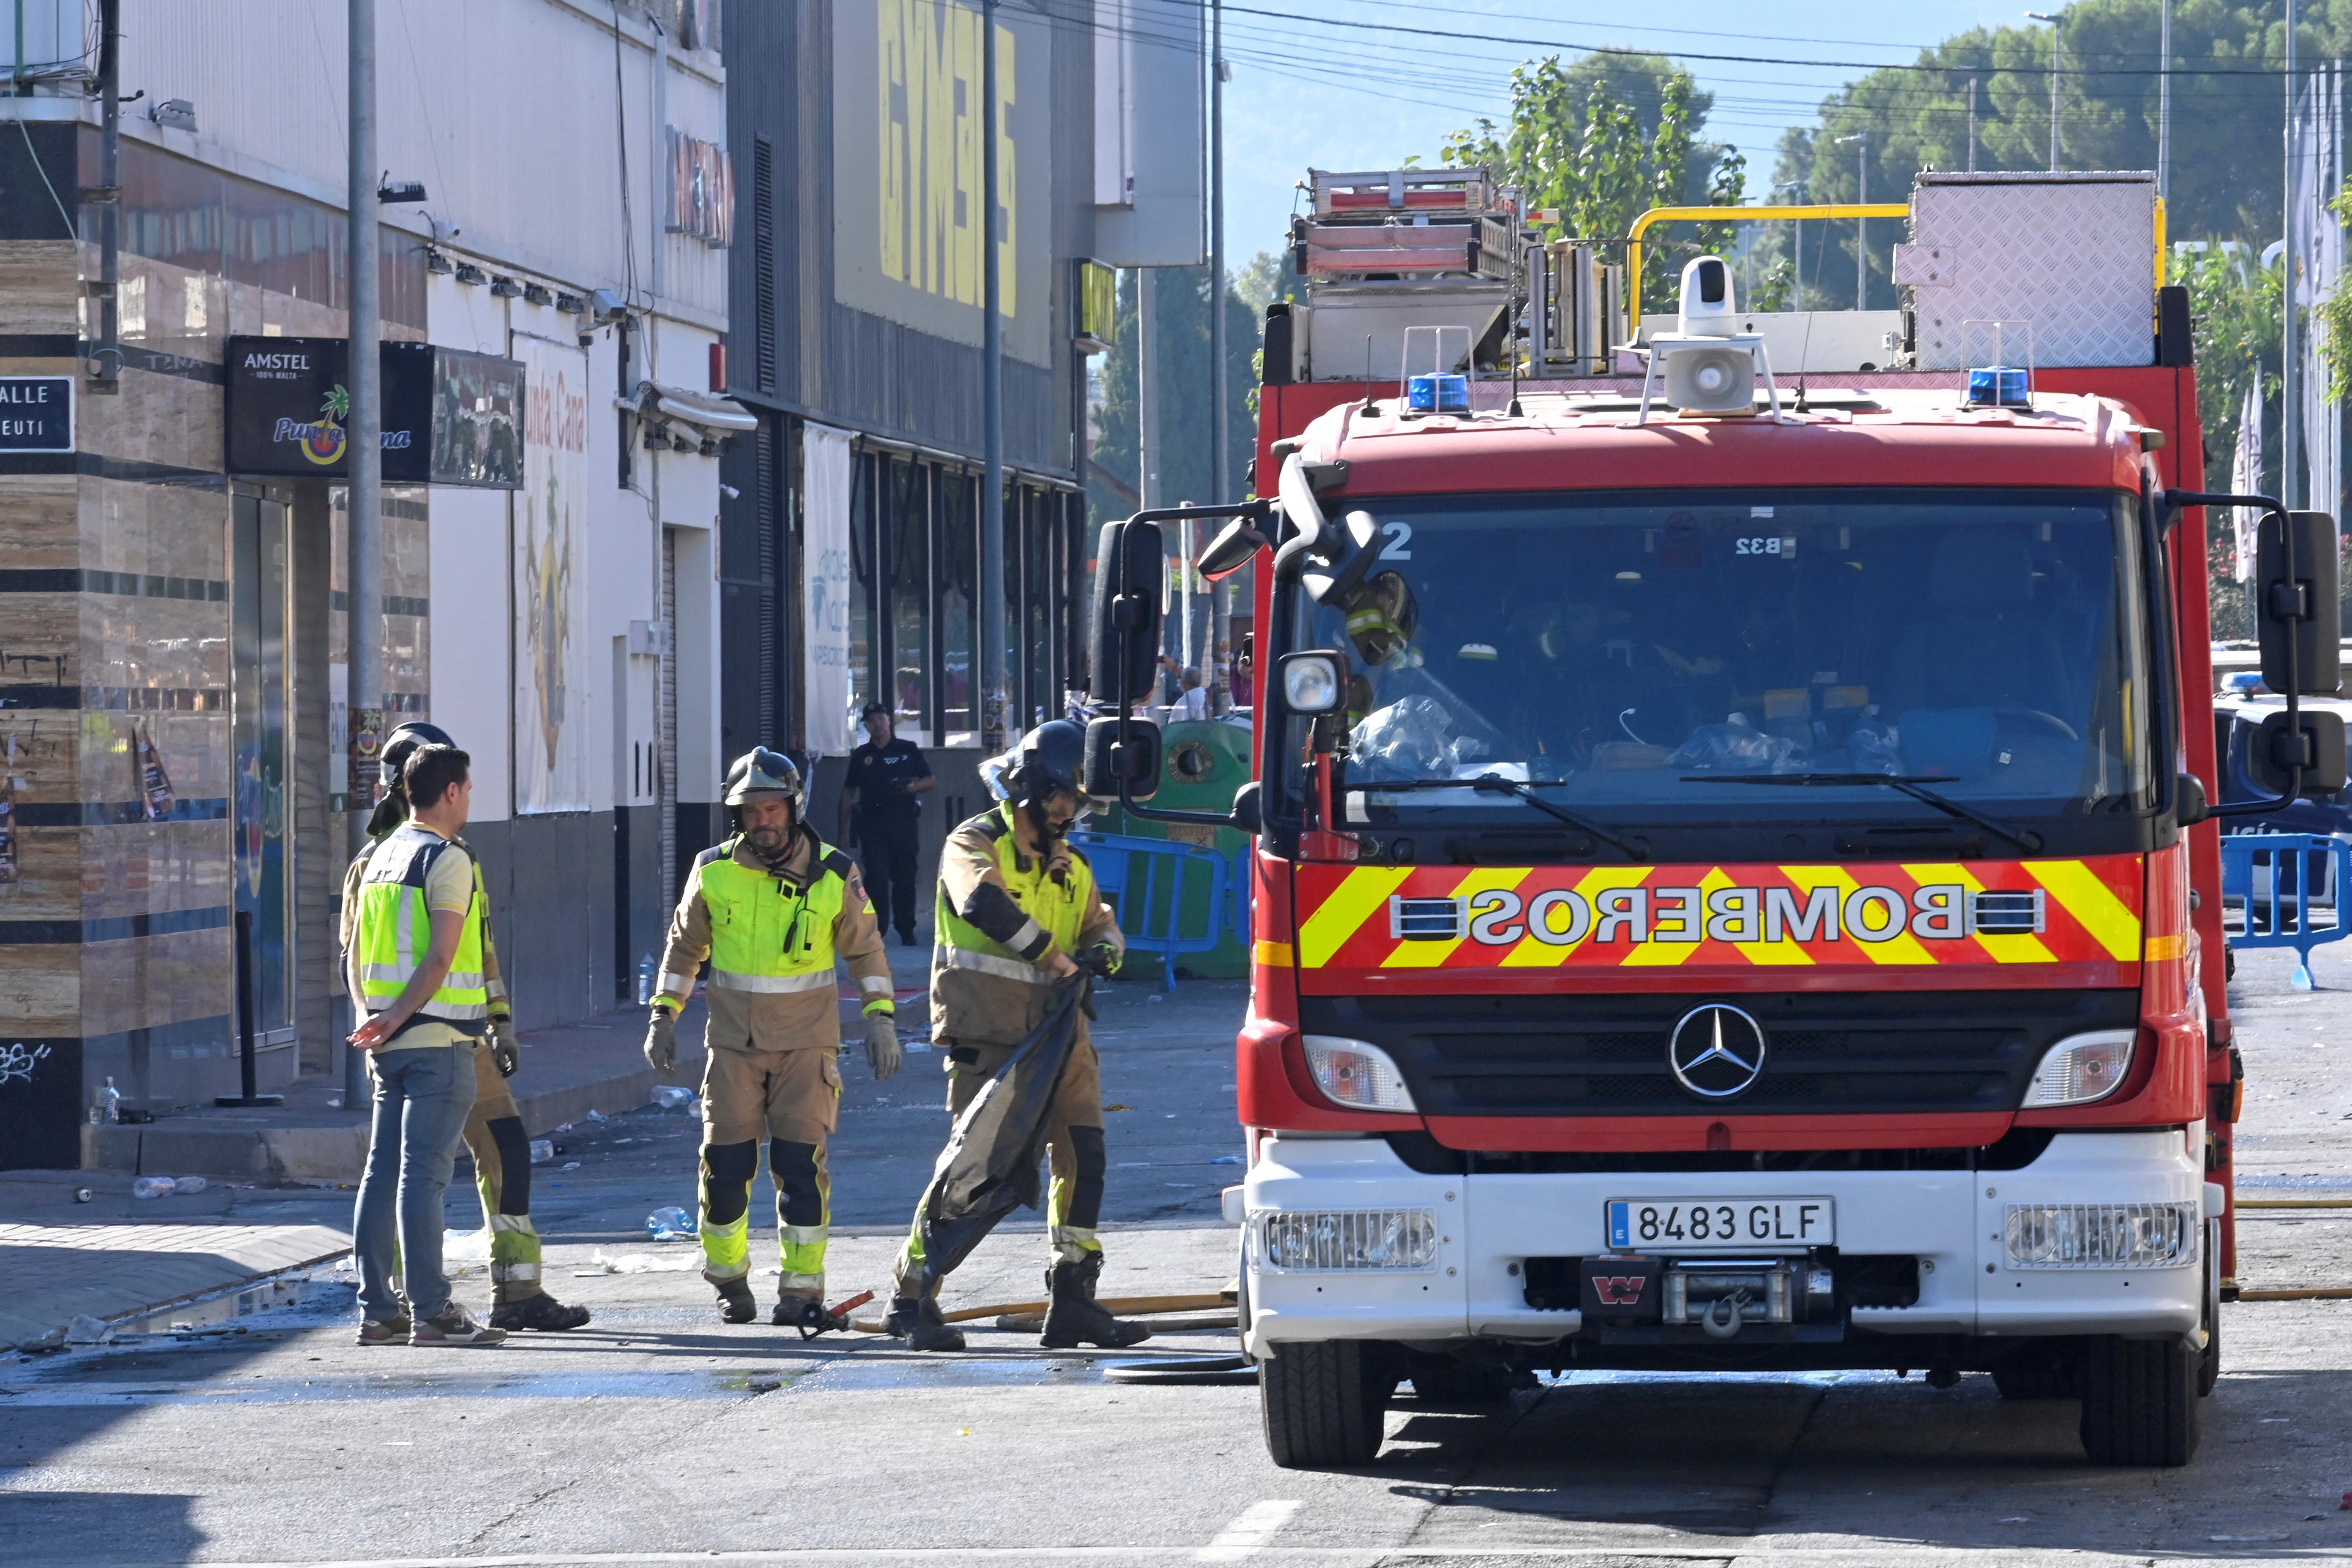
2290	380
1972	123
1861	224
2057	47
1147	403
106	365
2164	104
992	616
1796	246
363	578
1221	625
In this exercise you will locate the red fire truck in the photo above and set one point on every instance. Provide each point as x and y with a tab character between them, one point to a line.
1735	882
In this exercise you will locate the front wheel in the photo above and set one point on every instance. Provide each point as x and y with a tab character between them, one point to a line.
2139	1402
1323	1402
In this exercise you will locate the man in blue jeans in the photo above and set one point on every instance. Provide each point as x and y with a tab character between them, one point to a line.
417	967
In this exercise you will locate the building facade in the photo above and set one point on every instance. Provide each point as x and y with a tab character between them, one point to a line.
173	624
850	531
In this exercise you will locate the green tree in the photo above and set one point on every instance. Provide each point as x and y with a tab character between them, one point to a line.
1181	365
1603	140
2235	304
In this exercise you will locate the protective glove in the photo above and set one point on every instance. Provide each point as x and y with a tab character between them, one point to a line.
882	1053
661	1042
1100	959
505	1049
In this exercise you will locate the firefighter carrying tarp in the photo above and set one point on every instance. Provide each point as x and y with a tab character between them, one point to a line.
1017	917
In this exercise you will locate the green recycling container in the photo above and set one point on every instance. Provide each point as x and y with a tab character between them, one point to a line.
1203	764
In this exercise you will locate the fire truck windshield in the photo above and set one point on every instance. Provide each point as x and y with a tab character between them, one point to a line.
1614	647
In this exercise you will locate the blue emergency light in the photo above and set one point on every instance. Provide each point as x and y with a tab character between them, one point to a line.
1998	387
1437	394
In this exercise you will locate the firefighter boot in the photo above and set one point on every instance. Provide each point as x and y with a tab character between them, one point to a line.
1074	1318
917	1320
541	1312
735	1301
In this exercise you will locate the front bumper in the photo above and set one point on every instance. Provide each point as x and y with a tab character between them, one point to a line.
1473	1283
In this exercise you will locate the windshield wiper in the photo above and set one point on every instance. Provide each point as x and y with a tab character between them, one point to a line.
1910	785
1494	784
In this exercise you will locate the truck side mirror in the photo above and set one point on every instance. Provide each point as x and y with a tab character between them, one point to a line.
2317	746
2303	608
2192	807
1109	760
1130	569
1245	813
1233	549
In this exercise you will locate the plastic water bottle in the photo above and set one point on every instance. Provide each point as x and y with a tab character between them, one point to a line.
184	1185
542	1149
153	1187
110	1104
672	1224
645	981
669	1096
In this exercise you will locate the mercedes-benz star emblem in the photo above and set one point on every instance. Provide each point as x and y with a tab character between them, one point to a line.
1717	1051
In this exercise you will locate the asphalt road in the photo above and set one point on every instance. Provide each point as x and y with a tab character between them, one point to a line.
658	1436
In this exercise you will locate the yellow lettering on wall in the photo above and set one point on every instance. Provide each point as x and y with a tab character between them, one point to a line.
932	208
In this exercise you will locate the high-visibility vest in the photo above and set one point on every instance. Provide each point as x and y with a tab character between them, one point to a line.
765	935
395	930
1060	909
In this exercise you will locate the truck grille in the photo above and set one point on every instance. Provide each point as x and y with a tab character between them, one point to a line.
1590	1055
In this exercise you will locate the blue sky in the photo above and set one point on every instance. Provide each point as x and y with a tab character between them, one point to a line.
1310	94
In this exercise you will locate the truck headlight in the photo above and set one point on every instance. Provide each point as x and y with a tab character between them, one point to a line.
2082	1068
2101	1236
1316	1242
1358	1076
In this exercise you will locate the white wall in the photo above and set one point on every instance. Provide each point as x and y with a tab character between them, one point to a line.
505	109
472	672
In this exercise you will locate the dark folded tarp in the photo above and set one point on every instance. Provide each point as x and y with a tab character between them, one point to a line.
990	1165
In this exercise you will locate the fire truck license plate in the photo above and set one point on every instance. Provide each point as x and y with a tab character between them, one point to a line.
1688	1223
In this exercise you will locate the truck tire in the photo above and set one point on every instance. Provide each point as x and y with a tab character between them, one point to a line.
1465	1383
1323	1404
2139	1402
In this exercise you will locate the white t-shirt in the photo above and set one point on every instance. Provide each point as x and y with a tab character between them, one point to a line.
1192	704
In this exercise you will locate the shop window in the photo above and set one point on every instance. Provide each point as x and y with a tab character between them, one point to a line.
959	578
908	533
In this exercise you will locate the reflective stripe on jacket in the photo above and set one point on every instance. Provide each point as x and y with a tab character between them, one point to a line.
394	930
999	913
772	933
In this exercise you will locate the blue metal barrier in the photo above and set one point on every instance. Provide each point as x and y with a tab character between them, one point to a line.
1144	880
2276	877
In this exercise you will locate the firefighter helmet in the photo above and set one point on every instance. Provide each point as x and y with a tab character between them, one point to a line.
761	772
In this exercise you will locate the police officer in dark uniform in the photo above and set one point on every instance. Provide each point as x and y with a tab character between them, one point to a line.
887	778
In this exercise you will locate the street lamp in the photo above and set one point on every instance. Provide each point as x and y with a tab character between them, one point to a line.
2057	44
1860	140
1797	246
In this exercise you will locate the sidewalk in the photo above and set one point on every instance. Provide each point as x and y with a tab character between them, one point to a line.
567	1073
115	1255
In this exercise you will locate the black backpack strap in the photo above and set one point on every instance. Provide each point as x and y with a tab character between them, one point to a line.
837	861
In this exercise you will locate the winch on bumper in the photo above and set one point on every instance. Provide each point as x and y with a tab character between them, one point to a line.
2103	1234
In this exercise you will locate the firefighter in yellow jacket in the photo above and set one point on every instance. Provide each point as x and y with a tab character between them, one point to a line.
771	909
494	1131
1018	913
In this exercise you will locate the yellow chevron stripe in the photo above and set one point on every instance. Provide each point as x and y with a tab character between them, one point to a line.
2088	899
1275	955
1430	954
1903	949
1532	954
1656	955
1359	895
2012	948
